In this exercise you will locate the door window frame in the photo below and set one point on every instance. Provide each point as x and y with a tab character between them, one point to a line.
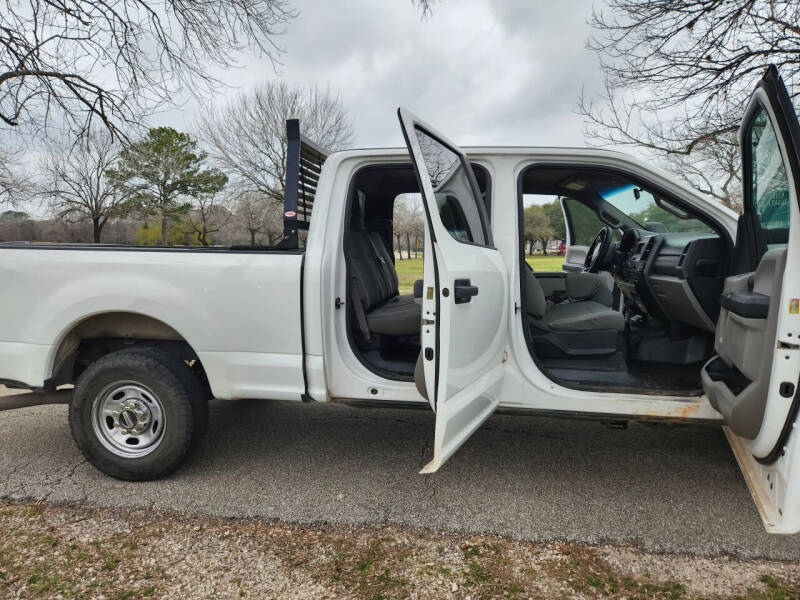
478	198
784	135
651	186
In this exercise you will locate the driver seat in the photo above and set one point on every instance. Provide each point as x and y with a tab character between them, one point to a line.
572	328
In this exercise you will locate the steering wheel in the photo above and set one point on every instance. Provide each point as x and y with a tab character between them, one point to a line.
598	250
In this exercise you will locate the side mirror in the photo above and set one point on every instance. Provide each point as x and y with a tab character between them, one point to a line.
655	227
637	193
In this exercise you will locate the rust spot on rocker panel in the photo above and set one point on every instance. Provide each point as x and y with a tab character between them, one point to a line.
680	413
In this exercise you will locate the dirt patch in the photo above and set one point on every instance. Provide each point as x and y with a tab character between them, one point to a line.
51	551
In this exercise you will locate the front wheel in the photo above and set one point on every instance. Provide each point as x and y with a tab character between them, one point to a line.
137	413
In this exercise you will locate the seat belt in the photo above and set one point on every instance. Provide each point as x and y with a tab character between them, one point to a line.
358	307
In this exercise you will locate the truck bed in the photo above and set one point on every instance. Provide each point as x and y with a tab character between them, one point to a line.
239	309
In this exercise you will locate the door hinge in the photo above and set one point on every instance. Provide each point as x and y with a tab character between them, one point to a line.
338	303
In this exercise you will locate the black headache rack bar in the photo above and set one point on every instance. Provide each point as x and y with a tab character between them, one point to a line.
304	160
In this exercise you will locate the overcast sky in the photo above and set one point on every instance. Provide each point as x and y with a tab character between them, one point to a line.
485	73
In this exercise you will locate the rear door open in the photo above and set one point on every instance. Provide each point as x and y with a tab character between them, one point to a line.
754	379
465	293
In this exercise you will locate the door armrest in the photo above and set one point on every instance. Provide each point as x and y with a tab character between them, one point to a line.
750	305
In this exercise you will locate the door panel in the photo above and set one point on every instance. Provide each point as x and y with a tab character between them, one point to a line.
753	380
465	295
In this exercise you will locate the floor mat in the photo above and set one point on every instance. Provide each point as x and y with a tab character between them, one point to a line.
683	380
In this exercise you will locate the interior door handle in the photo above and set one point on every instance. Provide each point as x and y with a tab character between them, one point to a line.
464	290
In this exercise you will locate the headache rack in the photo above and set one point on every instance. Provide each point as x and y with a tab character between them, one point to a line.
304	160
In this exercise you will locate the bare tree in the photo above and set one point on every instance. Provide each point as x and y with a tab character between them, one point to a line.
16	226
712	168
254	213
678	73
408	223
425	6
400	219
417	229
13	188
206	217
247	136
75	185
81	61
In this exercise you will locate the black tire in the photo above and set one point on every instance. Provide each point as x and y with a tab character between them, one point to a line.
181	397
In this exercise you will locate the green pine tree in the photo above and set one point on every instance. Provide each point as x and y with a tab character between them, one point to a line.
159	173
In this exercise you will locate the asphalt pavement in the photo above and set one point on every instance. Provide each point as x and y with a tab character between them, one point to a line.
662	488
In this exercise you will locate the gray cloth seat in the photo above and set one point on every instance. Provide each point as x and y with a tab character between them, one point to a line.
378	306
588	286
398	316
582	315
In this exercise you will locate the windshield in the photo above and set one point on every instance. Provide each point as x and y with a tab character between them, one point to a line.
642	207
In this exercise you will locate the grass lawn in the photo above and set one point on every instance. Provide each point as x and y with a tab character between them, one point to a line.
409	270
551	262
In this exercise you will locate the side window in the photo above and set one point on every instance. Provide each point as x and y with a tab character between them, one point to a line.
768	185
585	224
461	213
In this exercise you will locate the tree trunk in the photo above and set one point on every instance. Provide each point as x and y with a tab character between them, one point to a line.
408	247
544	246
164	227
252	238
97	229
399	246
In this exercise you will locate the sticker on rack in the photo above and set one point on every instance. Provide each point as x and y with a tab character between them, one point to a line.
794	306
289	214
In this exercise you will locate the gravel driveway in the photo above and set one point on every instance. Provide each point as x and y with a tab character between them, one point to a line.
662	488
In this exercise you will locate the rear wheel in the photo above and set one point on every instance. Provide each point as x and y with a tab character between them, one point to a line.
137	413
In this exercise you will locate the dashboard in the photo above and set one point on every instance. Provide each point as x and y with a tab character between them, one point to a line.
674	276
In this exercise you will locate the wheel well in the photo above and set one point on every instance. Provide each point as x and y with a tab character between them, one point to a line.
102	334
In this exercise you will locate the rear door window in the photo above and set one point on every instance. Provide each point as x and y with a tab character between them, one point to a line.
459	210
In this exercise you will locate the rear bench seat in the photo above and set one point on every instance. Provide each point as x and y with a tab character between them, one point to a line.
377	303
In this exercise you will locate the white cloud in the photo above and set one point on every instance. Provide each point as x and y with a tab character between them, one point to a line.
483	72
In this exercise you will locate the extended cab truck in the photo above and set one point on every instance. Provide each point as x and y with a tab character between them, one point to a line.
669	306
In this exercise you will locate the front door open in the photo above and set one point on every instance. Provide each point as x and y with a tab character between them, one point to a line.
465	294
753	381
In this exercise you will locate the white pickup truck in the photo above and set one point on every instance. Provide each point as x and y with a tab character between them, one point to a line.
669	306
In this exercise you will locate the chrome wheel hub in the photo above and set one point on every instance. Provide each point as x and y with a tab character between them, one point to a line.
128	419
